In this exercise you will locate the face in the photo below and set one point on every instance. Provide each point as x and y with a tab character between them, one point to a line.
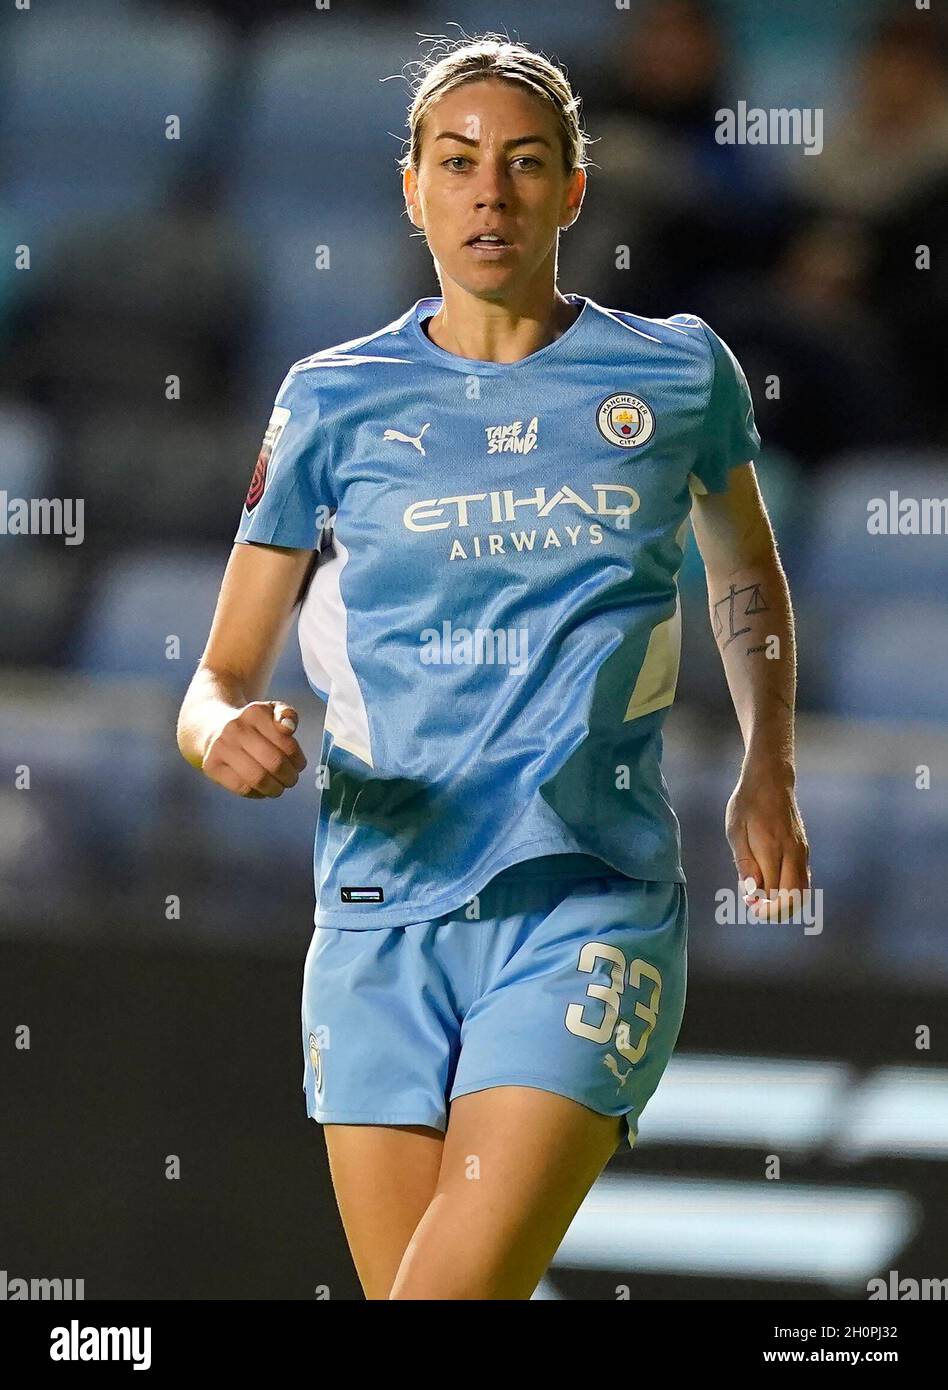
491	157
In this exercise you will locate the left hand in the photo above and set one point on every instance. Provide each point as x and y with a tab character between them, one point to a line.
767	837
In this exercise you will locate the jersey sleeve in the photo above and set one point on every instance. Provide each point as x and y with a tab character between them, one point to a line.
290	498
729	435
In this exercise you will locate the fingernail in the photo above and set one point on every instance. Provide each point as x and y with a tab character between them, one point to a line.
750	885
288	724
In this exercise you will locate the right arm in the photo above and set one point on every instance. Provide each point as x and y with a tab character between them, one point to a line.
225	729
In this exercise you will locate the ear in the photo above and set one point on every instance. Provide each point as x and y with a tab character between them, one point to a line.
410	192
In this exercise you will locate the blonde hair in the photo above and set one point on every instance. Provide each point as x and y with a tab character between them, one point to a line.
492	55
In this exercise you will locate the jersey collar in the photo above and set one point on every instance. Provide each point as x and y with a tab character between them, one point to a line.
425	308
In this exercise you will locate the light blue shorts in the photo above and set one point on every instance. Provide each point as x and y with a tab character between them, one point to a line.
571	979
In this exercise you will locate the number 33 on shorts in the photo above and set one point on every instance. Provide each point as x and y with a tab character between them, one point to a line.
641	977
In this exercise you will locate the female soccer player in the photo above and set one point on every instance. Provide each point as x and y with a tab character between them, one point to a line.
481	509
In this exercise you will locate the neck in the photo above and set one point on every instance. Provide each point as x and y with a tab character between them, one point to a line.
498	331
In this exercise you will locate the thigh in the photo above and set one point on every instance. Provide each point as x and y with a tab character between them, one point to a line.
384	1177
516	1165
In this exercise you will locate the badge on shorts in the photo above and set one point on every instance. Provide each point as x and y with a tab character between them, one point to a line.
315	1056
258	482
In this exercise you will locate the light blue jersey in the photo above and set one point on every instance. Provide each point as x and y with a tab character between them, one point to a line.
494	619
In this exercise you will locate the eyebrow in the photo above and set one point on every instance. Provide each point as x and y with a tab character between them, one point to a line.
508	144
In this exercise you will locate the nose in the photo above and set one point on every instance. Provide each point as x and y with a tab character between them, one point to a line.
492	192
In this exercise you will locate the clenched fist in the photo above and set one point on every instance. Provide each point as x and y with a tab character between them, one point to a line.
254	753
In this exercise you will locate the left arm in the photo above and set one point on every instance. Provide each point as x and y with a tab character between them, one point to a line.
752	621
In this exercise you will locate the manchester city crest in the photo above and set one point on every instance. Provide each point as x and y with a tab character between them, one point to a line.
625	420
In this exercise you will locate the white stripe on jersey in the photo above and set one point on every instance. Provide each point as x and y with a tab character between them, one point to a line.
322	628
342	360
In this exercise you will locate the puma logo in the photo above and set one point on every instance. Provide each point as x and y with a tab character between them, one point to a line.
408	438
610	1062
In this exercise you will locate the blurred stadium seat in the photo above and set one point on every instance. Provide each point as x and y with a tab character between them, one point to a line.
299	131
872	620
304	135
842	801
168	469
27	442
908	936
112	772
39	584
303	310
141	600
88	94
840	551
888	659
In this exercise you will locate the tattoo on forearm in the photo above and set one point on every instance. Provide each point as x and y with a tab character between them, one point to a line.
737	608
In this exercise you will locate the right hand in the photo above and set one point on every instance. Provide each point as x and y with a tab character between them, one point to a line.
253	753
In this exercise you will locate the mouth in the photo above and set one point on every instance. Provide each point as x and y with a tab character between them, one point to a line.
489	247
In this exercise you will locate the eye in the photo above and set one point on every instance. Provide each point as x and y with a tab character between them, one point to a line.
454	160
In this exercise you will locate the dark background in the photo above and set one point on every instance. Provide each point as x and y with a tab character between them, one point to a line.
193	257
